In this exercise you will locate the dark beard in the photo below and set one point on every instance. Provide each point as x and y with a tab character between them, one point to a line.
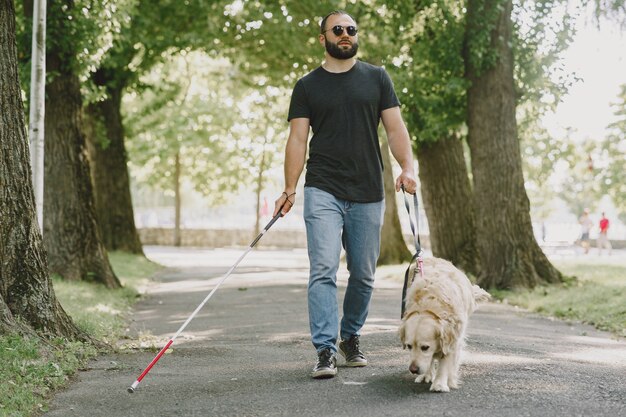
339	53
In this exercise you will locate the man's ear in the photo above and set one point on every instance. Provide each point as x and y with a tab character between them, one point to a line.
322	39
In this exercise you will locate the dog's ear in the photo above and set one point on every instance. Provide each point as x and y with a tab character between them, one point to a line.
448	336
402	333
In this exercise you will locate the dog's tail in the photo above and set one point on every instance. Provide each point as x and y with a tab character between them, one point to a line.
480	295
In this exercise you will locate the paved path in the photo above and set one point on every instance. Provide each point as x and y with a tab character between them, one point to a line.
248	353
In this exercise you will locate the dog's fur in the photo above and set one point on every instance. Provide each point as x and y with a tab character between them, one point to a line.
438	306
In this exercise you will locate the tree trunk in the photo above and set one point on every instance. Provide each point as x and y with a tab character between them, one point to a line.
393	249
26	294
7	322
70	231
109	172
447	195
510	256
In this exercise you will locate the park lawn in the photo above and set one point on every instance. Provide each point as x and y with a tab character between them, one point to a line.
99	311
596	296
30	369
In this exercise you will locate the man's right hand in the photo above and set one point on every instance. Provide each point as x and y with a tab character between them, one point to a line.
284	203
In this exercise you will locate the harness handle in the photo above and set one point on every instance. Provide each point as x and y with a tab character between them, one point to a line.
417	258
416	238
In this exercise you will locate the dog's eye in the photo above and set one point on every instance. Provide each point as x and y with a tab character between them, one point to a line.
409	347
425	348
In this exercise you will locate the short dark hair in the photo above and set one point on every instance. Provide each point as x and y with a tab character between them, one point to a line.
334	12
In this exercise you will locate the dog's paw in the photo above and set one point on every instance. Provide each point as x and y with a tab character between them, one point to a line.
439	387
453	383
420	379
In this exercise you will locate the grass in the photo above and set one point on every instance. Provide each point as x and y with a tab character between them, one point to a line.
595	295
30	368
594	292
98	310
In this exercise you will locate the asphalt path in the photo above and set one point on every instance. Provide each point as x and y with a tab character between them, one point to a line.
247	353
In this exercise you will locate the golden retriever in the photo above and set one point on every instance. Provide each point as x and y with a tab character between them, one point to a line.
438	306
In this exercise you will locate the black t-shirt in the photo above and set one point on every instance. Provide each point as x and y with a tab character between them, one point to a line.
344	111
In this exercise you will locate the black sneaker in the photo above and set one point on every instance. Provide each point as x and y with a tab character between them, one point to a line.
326	366
349	349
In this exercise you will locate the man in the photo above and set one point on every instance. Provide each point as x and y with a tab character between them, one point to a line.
603	238
343	101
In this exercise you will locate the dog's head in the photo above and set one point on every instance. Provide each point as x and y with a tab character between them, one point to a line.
427	336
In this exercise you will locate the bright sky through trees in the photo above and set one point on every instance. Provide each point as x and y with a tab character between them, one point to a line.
598	57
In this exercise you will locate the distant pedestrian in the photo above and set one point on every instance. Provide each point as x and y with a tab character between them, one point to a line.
585	227
265	208
603	238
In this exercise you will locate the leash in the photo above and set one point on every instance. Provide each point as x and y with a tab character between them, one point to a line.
417	258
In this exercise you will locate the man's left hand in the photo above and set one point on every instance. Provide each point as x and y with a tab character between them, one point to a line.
406	179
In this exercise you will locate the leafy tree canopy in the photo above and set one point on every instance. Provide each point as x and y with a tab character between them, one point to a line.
613	153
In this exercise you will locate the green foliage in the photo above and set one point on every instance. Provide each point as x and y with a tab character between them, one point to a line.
428	68
153	31
81	32
198	109
542	153
260	132
277	40
480	50
543	31
423	45
580	187
613	153
609	9
84	30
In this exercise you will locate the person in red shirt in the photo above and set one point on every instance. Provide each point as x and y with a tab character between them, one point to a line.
603	239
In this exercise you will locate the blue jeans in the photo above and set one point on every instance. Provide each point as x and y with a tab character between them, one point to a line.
330	223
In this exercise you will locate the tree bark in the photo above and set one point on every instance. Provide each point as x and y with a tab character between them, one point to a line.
27	297
109	173
447	195
510	256
70	230
393	249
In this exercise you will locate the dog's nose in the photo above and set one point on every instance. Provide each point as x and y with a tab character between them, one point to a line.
414	369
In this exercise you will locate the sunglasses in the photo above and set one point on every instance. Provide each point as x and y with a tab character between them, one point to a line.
338	30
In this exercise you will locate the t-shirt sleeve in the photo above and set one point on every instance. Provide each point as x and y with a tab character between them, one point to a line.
388	98
299	106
